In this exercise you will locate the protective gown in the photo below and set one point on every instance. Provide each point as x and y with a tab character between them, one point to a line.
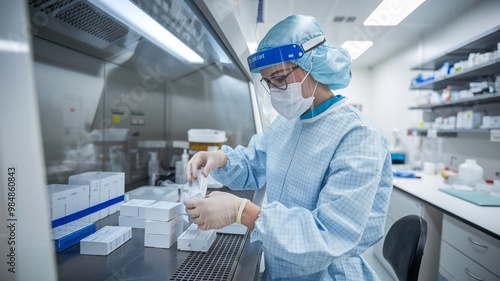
328	181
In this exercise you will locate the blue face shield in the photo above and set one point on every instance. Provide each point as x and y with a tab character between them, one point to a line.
281	54
299	39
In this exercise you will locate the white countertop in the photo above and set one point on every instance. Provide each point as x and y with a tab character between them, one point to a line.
426	189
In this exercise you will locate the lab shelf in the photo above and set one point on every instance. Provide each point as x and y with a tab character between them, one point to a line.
484	42
488	102
461	78
466	102
448	132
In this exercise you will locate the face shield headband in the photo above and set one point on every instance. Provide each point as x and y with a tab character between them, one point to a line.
283	53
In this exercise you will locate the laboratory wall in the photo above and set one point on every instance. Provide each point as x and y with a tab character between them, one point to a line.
359	92
69	87
98	115
390	83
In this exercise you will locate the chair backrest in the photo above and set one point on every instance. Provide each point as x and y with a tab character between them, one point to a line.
404	246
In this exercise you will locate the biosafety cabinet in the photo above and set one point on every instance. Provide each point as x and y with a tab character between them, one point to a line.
97	85
113	85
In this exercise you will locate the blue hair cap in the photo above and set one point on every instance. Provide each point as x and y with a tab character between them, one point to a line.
290	40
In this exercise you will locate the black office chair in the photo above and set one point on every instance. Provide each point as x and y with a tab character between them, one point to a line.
404	246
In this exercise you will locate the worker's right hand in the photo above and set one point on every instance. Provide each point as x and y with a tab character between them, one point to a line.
208	160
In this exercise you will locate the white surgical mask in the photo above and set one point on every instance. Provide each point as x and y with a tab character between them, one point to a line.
290	103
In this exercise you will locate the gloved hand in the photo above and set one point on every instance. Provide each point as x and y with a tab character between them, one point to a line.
216	210
209	160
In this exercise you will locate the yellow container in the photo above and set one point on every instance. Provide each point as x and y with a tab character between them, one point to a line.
202	146
206	139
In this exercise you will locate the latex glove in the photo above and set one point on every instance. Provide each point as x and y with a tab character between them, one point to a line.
216	210
209	160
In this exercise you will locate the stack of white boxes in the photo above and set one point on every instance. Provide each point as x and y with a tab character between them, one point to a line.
164	224
67	199
74	201
132	213
104	188
105	240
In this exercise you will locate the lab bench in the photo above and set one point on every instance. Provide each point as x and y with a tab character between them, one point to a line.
463	238
231	257
427	189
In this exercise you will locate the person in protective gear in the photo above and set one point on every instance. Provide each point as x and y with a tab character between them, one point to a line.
326	166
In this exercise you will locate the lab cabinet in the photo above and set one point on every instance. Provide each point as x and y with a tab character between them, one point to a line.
469	69
467	253
402	204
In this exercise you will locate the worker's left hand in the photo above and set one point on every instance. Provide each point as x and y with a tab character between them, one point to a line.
216	210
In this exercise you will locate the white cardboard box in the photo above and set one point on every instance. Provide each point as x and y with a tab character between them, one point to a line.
163	210
163	227
98	190
105	240
162	240
134	222
66	199
84	201
67	235
194	239
135	208
104	193
117	188
75	193
58	196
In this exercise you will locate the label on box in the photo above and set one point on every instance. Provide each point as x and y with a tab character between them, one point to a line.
163	211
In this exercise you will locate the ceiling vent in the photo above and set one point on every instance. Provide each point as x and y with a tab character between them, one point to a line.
338	19
346	19
350	19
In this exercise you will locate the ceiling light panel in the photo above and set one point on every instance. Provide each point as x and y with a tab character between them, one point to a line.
392	12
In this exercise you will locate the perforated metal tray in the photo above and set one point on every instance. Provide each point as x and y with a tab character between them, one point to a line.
220	261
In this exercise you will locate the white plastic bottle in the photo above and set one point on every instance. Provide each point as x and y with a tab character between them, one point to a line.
470	173
184	158
180	168
153	167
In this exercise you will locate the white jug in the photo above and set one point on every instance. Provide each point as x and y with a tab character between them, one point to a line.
470	173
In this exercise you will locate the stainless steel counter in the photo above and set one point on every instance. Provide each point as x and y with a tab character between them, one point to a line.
134	261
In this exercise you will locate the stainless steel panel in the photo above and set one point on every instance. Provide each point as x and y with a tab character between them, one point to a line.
130	94
69	88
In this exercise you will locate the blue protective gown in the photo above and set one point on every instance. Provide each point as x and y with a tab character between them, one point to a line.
328	180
